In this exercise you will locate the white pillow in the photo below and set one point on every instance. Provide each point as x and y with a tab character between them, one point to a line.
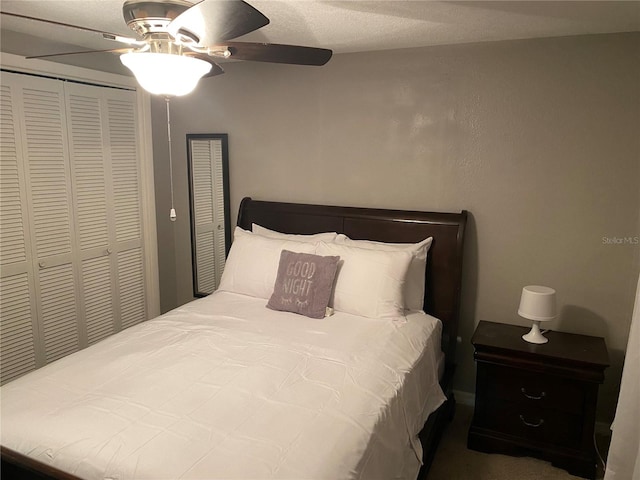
317	237
369	283
252	265
415	282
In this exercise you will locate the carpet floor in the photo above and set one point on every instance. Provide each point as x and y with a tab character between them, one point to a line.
453	461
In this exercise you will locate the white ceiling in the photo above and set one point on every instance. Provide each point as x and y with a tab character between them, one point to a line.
343	26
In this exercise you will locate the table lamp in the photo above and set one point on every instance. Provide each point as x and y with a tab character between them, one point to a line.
538	304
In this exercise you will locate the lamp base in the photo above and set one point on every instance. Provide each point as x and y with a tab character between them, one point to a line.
535	336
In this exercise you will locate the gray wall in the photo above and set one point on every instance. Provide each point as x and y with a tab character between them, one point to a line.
538	139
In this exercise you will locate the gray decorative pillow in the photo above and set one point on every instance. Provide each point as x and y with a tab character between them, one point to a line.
304	283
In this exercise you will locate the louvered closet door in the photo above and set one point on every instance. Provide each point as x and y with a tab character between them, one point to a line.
45	155
106	181
71	252
18	328
89	166
126	213
208	197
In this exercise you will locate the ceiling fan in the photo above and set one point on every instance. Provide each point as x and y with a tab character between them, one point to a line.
177	42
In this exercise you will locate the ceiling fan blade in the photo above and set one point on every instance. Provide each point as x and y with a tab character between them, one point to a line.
107	35
111	50
214	21
276	53
215	68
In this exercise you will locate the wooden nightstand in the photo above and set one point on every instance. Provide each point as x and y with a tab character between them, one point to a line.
537	400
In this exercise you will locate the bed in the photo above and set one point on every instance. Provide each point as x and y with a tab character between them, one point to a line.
226	388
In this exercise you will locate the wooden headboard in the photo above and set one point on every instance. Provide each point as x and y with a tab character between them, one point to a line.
444	263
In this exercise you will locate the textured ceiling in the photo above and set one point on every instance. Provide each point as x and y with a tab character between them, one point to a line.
343	26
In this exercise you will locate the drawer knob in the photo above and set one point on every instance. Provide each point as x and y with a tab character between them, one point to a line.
533	397
533	425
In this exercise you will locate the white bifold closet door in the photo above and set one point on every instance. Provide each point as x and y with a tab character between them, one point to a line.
71	246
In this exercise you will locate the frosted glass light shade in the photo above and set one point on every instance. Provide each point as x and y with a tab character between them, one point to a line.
538	304
166	74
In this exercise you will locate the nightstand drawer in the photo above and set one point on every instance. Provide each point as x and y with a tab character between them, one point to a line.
550	426
530	388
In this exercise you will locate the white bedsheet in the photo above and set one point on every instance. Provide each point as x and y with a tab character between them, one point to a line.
224	388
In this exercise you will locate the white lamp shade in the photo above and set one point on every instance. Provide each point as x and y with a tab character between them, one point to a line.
538	303
166	74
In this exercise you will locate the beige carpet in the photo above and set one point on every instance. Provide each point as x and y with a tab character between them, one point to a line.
453	461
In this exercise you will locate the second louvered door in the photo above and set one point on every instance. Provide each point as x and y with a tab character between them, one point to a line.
125	191
48	185
106	181
19	332
89	167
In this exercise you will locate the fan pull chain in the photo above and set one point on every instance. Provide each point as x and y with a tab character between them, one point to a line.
172	212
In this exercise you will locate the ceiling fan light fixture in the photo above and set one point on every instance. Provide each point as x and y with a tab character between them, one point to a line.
166	74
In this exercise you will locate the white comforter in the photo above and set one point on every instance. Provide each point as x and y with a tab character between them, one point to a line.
224	388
